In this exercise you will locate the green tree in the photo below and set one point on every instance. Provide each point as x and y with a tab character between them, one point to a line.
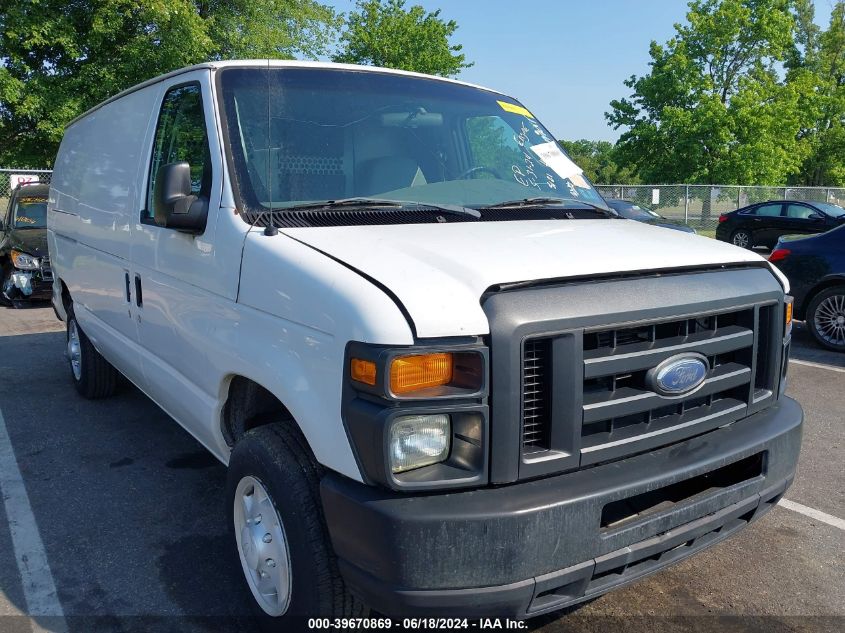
714	108
600	163
818	63
386	34
61	57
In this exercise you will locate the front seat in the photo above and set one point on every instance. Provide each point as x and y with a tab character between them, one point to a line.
388	173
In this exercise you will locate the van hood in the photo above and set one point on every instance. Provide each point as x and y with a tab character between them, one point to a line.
440	271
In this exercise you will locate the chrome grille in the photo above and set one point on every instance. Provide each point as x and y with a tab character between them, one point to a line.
45	269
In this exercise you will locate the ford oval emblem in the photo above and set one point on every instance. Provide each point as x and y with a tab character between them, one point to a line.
678	375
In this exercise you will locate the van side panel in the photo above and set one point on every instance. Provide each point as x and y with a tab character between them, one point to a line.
94	183
287	332
92	193
189	283
296	311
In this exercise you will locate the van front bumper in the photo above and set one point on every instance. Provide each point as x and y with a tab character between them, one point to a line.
524	549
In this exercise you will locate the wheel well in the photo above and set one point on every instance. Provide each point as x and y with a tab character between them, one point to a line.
67	302
808	299
248	406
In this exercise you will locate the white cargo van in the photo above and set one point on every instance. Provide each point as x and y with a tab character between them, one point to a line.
446	378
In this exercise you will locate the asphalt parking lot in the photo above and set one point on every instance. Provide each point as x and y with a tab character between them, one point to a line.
127	519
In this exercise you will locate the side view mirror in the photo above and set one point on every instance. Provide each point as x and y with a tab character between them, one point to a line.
174	206
816	216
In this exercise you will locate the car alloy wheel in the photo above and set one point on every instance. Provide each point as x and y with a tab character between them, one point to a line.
829	320
262	546
741	239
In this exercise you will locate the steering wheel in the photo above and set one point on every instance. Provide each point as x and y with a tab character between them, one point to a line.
470	173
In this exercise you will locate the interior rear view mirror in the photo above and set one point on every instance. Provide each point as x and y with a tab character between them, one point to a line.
412	119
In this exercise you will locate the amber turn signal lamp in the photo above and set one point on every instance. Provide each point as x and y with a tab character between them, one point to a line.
423	371
789	313
363	371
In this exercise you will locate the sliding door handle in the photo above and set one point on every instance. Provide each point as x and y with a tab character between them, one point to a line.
139	299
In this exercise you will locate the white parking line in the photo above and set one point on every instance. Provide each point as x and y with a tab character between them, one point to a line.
39	589
818	515
808	363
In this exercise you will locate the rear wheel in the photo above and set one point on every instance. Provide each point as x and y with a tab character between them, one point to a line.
826	318
741	238
93	376
276	516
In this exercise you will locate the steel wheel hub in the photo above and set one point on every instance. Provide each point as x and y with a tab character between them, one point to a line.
262	546
74	350
830	320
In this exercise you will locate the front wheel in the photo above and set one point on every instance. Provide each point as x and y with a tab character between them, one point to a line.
741	238
826	318
93	376
282	540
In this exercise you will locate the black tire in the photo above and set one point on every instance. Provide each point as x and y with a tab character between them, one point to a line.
742	238
819	312
96	378
279	458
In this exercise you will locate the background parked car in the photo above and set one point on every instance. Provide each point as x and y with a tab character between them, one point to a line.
763	223
634	211
24	265
815	267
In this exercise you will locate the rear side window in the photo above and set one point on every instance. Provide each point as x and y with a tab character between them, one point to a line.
181	136
799	212
767	210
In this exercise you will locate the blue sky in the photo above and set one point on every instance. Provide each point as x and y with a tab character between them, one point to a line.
564	59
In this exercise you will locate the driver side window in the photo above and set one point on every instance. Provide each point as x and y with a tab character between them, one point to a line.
181	136
493	146
798	212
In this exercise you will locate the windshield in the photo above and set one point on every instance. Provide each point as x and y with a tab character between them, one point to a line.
632	211
833	210
299	136
30	213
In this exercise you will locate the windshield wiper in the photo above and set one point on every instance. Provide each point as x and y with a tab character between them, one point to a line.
533	203
373	203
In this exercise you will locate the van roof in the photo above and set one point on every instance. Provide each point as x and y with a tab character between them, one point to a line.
275	63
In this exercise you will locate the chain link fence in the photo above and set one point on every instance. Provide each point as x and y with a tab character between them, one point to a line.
11	178
699	206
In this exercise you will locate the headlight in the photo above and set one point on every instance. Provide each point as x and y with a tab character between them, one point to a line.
430	375
417	416
421	371
418	440
22	261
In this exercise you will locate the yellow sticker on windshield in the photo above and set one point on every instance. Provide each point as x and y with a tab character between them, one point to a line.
516	109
